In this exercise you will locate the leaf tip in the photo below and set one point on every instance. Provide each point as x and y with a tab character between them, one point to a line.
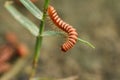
86	42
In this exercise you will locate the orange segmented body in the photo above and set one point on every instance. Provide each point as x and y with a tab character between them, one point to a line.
6	53
72	34
4	67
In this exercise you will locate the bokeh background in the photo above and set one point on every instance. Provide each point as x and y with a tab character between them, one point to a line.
96	21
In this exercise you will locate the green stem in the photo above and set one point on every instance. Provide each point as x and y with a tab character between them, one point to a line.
39	39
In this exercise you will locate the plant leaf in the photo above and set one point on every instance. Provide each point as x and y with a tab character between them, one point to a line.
32	8
29	25
52	33
55	33
86	42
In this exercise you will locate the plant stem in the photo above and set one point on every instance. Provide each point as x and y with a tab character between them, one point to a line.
39	39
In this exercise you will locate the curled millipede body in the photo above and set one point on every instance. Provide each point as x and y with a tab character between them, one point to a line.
20	48
11	51
6	53
72	34
4	67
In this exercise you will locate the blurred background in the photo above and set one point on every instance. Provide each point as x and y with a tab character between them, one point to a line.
96	21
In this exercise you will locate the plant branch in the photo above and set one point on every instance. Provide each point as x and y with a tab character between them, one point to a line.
39	39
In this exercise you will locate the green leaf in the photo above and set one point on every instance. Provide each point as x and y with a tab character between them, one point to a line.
86	42
29	25
32	8
55	33
52	33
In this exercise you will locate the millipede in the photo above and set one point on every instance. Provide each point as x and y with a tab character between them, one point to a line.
6	53
11	51
72	33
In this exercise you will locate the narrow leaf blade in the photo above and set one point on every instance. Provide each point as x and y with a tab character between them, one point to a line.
29	25
52	33
86	42
32	8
